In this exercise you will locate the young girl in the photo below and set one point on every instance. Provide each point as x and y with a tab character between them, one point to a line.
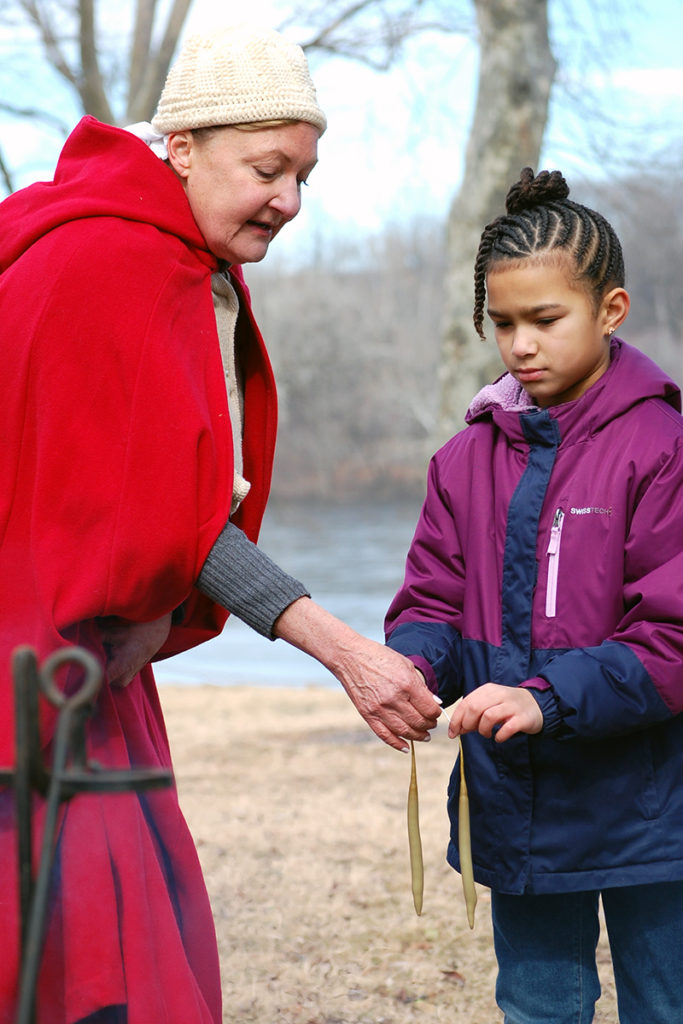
544	585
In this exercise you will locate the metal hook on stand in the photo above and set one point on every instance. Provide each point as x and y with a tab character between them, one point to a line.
70	774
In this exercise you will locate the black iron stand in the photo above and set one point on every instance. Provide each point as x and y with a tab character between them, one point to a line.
71	774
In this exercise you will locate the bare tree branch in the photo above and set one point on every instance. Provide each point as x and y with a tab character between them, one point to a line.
53	51
5	174
37	114
373	32
321	39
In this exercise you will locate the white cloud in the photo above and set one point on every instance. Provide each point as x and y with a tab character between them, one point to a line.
651	82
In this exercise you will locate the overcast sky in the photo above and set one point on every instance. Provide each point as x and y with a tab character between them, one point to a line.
395	143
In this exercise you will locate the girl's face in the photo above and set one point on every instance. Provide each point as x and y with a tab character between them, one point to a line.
243	186
548	332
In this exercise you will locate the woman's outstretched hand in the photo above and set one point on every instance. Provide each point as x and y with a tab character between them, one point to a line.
507	709
384	686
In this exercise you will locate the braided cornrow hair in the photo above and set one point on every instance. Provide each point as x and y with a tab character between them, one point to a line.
540	219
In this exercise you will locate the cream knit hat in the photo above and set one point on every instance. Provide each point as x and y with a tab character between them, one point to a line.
238	75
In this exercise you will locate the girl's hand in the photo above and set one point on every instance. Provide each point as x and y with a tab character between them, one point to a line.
507	709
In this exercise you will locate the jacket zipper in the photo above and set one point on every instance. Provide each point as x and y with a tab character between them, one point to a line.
553	563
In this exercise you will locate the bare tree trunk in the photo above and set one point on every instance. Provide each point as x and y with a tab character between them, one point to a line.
140	45
147	81
516	73
90	84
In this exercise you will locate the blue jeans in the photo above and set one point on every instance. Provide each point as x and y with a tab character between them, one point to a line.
545	947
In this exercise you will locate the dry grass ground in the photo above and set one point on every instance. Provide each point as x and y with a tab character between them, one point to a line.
299	817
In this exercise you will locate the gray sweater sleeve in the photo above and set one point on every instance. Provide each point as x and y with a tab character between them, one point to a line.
241	578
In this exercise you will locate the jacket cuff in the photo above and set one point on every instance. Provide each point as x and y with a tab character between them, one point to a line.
241	578
545	697
537	683
427	671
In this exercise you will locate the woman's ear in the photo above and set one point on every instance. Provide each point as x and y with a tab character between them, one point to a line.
614	309
179	147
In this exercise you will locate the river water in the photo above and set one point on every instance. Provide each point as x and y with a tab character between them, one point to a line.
350	557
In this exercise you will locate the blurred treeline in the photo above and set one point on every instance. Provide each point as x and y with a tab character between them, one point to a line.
354	333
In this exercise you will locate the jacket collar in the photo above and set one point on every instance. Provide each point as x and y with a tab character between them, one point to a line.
631	378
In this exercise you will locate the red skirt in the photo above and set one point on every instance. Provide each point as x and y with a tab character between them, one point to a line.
129	922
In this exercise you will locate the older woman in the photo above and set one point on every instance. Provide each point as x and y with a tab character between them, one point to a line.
139	426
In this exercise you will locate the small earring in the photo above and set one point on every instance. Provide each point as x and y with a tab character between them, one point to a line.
610	331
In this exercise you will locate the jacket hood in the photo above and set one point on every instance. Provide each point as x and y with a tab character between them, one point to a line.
631	378
102	172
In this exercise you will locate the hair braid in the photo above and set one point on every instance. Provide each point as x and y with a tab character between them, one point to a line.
540	219
480	267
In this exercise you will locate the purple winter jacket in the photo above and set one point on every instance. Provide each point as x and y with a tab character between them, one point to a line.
550	550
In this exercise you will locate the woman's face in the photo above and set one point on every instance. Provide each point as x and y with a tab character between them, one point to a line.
243	186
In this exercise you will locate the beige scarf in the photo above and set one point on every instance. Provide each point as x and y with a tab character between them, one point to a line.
226	308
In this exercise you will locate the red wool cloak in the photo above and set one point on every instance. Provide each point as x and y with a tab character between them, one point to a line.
116	461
